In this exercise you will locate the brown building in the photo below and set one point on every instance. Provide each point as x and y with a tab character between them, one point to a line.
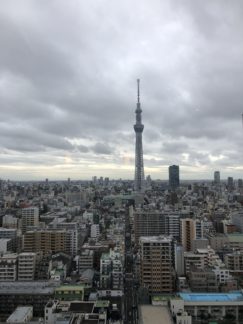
45	241
188	233
157	264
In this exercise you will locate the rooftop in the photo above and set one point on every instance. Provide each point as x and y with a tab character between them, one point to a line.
70	287
28	287
9	256
19	314
163	298
235	238
212	297
81	307
156	239
155	314
102	303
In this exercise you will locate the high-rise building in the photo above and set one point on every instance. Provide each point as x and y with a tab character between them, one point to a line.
30	217
154	222
157	263
240	183
188	233
230	183
216	177
148	223
138	127
107	180
237	220
174	179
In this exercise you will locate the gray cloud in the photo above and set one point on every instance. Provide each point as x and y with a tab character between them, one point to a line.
83	148
101	148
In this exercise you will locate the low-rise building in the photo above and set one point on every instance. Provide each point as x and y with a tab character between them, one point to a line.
34	293
70	292
208	305
76	311
203	280
22	314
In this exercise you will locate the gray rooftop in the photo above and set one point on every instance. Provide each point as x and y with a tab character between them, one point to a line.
18	316
28	287
155	314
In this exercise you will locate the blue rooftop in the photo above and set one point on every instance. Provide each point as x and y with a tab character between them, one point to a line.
212	297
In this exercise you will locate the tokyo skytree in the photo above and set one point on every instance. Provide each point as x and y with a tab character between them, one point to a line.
138	127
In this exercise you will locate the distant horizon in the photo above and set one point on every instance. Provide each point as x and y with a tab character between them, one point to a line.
110	179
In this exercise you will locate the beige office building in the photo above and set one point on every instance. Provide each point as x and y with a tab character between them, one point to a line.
45	240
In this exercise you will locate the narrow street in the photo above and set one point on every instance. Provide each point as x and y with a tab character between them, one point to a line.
130	292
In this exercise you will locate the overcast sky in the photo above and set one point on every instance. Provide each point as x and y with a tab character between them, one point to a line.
68	73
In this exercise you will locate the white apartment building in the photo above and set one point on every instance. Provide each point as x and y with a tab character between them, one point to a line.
95	231
111	270
9	221
6	245
8	233
26	266
30	217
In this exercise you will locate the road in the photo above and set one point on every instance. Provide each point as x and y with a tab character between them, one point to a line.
130	289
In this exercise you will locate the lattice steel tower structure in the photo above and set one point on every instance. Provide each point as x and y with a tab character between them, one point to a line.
138	127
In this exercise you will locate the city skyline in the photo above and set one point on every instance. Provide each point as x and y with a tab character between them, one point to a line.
67	89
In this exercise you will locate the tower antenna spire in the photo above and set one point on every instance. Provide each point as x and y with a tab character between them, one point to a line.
138	82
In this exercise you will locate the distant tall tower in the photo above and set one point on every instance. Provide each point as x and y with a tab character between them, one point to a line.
217	177
174	178
138	127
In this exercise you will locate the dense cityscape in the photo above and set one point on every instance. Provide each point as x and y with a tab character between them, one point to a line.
121	162
121	251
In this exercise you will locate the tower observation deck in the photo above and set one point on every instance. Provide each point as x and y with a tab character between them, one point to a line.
138	128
